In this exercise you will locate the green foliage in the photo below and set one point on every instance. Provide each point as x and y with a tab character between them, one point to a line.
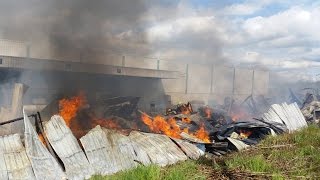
252	163
288	156
285	156
184	171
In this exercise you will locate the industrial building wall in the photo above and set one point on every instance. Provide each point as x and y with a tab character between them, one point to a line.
212	83
197	82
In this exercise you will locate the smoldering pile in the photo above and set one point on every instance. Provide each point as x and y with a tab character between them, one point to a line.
222	133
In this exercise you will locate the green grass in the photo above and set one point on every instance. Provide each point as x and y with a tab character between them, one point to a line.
287	156
182	171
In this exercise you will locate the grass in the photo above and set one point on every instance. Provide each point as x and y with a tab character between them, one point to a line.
287	156
182	171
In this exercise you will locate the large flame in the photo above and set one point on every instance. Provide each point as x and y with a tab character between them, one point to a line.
160	125
170	128
68	108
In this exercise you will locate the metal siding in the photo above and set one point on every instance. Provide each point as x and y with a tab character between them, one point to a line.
44	164
108	151
289	115
67	148
15	158
191	150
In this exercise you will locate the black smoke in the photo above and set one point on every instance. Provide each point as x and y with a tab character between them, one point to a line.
74	26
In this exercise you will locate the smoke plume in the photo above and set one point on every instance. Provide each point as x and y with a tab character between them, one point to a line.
67	29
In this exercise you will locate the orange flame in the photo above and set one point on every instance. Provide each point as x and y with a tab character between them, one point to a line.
202	134
186	130
161	125
170	128
186	120
41	138
68	108
245	134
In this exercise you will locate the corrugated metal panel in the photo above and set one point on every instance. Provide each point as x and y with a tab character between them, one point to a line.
67	148
173	152
238	144
108	151
3	167
289	115
159	148
191	150
44	164
15	158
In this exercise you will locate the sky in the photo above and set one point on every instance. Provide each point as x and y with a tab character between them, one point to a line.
282	36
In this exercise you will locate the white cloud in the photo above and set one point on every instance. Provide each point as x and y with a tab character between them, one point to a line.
292	23
167	30
246	8
287	40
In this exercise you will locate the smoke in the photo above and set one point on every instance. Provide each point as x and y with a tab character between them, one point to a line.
65	29
74	30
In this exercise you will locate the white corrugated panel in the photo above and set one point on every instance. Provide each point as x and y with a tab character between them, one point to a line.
108	151
191	150
159	148
289	115
67	148
173	152
238	144
44	164
15	158
3	167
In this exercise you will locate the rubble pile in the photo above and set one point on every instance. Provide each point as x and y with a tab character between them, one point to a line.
312	112
113	135
225	133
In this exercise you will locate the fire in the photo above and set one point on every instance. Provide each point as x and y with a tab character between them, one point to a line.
208	112
107	123
186	120
161	125
186	111
41	138
170	128
245	134
239	115
68	108
186	130
202	134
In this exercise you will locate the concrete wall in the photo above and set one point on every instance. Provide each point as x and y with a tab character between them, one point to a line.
215	82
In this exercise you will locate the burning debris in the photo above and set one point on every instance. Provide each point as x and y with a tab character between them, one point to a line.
114	135
214	129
